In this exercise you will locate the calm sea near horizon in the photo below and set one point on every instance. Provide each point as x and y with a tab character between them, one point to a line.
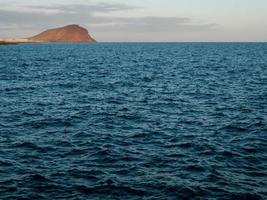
133	121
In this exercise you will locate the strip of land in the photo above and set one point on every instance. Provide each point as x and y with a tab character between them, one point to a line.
13	41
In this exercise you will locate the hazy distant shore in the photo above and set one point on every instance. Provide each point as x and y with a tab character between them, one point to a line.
7	43
14	41
2	42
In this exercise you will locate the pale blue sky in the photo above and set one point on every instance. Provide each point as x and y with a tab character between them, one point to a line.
140	20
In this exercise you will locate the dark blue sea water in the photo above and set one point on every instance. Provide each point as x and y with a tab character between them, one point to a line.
133	121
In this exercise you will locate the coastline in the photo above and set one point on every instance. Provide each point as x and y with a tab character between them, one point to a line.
7	43
13	41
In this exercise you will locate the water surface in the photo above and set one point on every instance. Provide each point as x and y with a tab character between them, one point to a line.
133	121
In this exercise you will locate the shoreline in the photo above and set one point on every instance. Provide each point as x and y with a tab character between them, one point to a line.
13	41
7	43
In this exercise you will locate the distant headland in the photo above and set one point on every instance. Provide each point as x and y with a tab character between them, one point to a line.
67	34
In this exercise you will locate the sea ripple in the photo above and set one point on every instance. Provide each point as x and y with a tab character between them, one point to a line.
133	121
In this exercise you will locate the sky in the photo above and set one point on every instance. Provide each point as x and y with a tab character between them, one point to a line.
140	20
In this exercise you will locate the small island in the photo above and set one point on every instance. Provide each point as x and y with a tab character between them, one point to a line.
67	34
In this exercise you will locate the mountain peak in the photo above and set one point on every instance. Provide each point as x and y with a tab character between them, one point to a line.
72	26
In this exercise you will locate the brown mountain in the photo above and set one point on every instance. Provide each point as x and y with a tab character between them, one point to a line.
70	33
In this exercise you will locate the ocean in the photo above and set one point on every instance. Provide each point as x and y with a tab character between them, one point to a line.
133	121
